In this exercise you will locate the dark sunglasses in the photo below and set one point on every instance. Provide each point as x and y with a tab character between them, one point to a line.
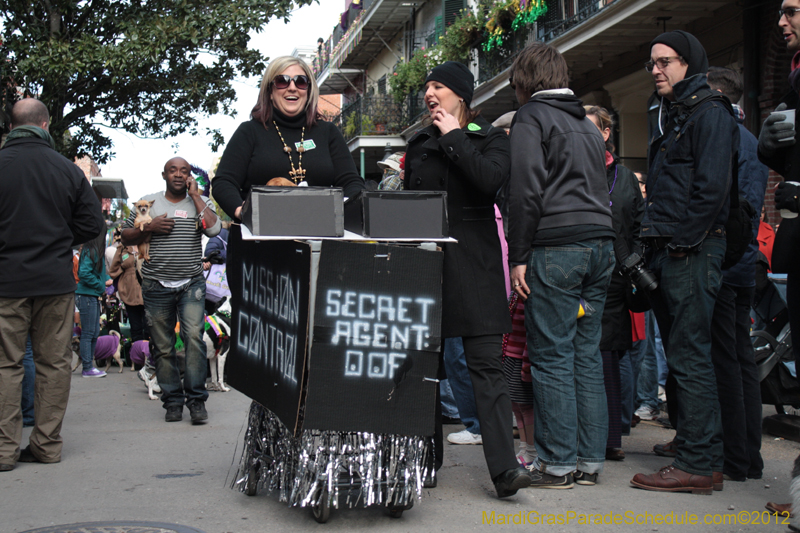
282	81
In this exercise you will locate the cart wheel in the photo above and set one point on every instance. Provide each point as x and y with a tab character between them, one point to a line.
251	487
396	511
321	511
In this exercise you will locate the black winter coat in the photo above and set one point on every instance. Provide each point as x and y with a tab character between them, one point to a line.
627	208
471	164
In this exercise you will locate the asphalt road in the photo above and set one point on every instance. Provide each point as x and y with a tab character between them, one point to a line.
121	461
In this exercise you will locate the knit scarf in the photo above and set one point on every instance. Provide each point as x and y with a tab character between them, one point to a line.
21	132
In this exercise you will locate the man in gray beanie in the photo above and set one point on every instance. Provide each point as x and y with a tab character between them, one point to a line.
692	154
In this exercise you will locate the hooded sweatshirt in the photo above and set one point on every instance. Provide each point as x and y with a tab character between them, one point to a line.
557	192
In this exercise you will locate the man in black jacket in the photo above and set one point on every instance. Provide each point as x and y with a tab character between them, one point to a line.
685	234
46	207
560	248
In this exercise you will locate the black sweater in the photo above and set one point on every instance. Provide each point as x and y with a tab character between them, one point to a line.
255	155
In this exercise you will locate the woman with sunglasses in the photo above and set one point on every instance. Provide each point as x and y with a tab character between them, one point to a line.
461	153
284	138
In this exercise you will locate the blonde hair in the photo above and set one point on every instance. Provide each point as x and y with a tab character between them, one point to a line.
262	111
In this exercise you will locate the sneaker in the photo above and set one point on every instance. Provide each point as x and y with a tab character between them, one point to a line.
582	478
645	412
464	437
543	480
94	373
197	410
174	413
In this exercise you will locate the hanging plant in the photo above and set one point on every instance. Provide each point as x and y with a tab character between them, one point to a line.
508	16
409	77
465	33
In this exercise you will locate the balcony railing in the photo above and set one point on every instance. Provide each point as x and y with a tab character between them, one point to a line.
379	115
563	15
492	63
324	52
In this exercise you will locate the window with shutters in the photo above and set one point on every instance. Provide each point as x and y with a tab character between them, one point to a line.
451	9
382	85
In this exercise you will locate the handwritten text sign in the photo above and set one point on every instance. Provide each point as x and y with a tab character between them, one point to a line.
269	284
377	336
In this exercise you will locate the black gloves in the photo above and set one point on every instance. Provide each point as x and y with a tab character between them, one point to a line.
774	131
786	196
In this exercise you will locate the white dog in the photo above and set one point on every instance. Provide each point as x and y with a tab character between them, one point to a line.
218	343
148	375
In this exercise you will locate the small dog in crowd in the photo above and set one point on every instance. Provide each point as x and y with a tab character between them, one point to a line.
218	343
148	375
143	217
108	347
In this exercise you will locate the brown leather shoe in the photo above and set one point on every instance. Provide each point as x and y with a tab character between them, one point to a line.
615	454
666	450
782	509
671	479
718	481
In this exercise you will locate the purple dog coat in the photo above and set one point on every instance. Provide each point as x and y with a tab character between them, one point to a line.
140	351
106	347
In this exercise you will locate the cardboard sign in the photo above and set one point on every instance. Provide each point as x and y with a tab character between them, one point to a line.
377	336
269	283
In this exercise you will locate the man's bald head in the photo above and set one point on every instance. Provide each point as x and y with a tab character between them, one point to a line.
30	112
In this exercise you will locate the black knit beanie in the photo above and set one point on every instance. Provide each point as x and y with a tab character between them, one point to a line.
688	47
456	77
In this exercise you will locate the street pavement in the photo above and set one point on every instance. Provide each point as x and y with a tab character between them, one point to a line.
122	462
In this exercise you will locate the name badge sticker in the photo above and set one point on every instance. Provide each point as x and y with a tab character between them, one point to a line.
181	214
307	145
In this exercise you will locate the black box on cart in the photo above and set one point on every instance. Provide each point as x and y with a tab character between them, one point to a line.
294	211
398	214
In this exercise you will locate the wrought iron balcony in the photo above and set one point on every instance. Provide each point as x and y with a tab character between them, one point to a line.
563	15
379	115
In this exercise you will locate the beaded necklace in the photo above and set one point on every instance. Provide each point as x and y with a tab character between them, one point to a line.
298	175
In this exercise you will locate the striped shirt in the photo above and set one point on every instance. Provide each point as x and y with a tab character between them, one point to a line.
178	255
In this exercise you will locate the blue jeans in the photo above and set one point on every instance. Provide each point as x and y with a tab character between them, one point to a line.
684	305
647	385
163	307
89	308
629	372
27	385
571	414
455	366
449	408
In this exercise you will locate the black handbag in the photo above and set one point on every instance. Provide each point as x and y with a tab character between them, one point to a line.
786	249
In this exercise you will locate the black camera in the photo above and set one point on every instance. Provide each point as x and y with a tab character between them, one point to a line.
634	268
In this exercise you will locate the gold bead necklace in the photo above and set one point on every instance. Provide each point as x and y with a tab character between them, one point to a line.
297	175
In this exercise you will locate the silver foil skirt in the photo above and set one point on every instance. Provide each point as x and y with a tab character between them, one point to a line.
349	469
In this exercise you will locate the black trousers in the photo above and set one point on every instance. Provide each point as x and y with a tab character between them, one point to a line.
483	356
737	383
138	324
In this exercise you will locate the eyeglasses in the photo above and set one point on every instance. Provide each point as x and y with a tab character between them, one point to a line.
282	81
662	63
787	12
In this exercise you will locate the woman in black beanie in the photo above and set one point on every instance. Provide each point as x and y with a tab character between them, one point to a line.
461	153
